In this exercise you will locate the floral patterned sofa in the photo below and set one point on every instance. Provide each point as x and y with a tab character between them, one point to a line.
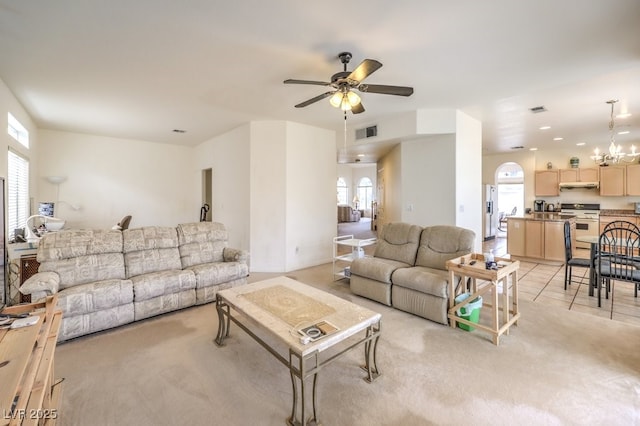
107	278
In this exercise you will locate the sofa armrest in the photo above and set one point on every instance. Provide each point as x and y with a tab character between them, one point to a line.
48	282
235	255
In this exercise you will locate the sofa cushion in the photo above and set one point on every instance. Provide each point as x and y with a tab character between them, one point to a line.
149	237
211	274
399	242
424	280
150	261
86	269
441	243
74	243
378	269
201	242
156	284
96	296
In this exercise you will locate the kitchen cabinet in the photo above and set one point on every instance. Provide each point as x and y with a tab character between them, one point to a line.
612	181
538	237
579	175
605	219
546	183
554	241
534	238
633	180
515	237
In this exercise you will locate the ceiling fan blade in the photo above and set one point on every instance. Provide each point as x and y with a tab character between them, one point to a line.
365	69
357	109
386	90
316	83
316	99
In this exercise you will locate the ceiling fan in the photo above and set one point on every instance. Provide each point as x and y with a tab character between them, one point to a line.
344	83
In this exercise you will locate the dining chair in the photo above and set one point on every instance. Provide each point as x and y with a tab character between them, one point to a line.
617	258
621	224
571	261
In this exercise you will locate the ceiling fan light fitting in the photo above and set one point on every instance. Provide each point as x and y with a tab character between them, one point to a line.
345	105
353	98
336	99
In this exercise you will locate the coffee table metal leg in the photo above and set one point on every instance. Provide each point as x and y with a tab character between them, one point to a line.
298	373
223	323
370	350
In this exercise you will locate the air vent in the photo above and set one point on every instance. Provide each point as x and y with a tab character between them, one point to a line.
538	109
517	147
367	132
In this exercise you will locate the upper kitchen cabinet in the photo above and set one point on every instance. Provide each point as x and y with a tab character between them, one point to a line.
546	183
579	175
633	179
612	181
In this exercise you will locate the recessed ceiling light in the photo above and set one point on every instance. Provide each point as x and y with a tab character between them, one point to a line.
545	127
360	155
624	115
558	139
581	143
533	149
624	132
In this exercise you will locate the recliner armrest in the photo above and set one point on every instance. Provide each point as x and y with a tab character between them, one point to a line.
235	255
48	282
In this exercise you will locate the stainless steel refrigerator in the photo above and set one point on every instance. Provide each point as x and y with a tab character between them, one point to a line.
490	220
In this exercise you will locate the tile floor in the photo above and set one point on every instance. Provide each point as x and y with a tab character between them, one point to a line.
545	284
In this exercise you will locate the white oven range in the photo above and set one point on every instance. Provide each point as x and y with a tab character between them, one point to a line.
587	219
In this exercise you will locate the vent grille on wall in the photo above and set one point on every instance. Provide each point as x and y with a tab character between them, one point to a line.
367	132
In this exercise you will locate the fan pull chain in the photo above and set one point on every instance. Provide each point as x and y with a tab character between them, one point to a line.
345	133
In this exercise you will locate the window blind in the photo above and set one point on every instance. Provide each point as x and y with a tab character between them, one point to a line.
17	193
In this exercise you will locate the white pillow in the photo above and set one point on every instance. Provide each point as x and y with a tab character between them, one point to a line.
42	281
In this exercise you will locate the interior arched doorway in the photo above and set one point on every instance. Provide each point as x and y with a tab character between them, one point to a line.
510	193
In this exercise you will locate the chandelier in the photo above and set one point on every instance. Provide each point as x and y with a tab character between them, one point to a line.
614	154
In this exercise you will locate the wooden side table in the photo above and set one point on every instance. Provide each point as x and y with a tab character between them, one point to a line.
482	281
29	394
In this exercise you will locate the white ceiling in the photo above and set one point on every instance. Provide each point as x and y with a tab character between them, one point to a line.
139	69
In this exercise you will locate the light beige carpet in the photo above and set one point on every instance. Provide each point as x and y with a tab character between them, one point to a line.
557	367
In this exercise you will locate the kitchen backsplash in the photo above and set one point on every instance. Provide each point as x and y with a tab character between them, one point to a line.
592	196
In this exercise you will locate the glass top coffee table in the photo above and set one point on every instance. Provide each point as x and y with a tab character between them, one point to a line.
313	326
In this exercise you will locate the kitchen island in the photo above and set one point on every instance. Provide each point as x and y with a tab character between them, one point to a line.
539	237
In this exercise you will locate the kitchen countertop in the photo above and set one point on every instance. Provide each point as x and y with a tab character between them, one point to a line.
545	217
614	212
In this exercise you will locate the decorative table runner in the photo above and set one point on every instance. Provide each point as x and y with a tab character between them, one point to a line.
290	306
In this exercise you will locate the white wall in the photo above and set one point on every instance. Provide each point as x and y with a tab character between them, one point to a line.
293	193
428	181
268	198
110	178
434	177
228	157
468	179
311	219
9	104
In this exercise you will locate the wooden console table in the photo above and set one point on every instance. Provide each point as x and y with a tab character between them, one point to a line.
29	394
482	281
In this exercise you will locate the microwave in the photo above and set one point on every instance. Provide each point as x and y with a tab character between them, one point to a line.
637	208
